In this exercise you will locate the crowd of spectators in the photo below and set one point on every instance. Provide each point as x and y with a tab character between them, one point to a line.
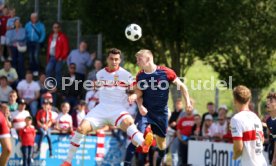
25	96
26	99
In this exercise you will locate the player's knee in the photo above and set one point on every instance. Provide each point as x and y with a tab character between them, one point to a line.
82	130
126	123
161	144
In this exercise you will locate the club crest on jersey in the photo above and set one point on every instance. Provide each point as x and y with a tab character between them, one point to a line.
116	77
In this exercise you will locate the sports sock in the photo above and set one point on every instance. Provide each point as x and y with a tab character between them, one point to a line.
129	154
75	143
135	135
161	154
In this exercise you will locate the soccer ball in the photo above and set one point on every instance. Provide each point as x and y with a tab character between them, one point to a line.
133	32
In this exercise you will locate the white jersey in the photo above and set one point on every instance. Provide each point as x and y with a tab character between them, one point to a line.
113	86
64	121
18	118
247	126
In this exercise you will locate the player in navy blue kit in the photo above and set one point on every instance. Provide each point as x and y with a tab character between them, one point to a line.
271	121
152	93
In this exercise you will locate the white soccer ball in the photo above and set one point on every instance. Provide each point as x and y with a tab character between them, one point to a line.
133	32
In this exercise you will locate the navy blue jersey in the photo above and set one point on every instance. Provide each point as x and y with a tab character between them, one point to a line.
155	88
271	124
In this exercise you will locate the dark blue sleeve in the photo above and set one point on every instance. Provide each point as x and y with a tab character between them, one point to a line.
271	124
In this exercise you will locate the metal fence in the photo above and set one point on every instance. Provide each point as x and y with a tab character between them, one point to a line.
49	12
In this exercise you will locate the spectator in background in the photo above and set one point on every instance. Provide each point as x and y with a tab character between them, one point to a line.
44	88
97	66
184	131
3	29
10	73
12	104
221	124
92	98
183	113
49	97
18	40
57	52
44	123
35	32
27	138
29	91
5	140
54	110
72	94
208	128
211	111
18	117
5	89
9	28
228	136
196	128
81	58
172	134
64	122
79	114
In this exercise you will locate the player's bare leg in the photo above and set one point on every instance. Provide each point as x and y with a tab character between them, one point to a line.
84	128
161	144
137	137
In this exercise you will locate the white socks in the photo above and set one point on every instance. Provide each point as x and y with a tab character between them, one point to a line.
75	143
135	135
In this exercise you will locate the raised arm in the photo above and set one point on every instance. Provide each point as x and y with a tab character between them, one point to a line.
184	91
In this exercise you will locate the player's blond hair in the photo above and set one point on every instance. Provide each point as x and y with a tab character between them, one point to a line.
144	52
242	94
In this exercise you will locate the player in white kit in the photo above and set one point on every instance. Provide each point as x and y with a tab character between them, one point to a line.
247	130
113	81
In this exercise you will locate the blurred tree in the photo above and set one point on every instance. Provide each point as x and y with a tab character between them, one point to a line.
162	24
239	39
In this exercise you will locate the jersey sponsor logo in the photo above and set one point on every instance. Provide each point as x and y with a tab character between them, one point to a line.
234	130
116	77
187	123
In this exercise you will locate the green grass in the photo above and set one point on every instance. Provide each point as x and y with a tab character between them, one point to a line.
201	81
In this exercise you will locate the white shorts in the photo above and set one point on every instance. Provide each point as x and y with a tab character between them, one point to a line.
104	114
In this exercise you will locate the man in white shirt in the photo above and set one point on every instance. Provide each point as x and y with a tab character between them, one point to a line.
247	130
29	91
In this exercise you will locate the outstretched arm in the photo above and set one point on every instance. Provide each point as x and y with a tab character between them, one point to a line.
184	91
134	95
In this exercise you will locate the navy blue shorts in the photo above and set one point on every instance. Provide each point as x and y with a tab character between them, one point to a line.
159	124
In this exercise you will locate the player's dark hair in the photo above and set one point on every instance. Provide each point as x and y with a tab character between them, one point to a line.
271	95
113	51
